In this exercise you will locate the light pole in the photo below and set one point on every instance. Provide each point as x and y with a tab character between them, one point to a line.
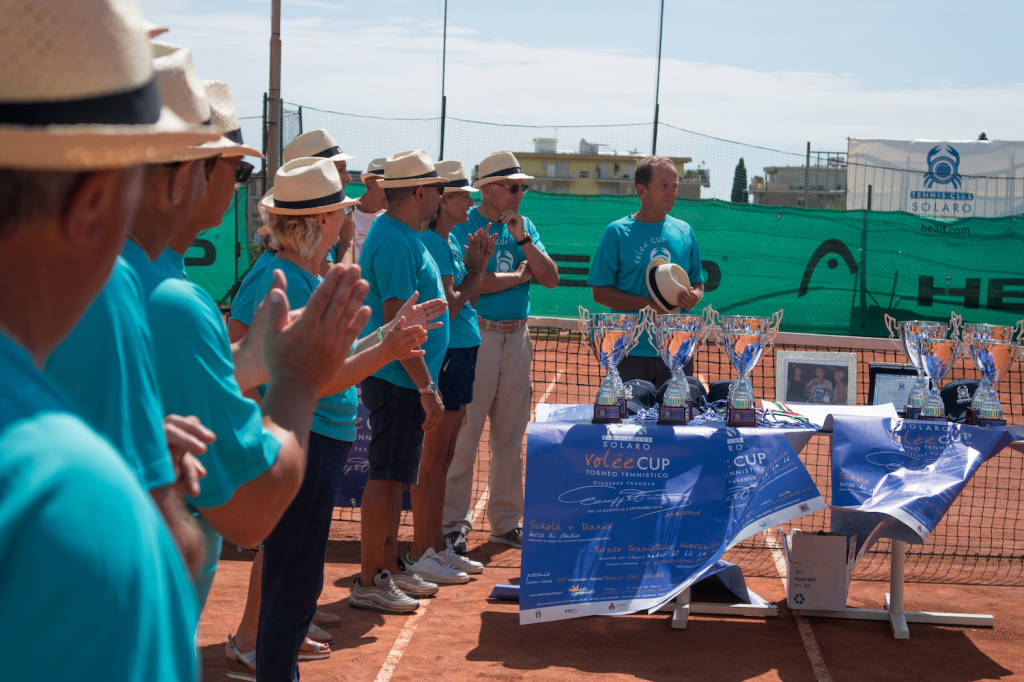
274	99
657	80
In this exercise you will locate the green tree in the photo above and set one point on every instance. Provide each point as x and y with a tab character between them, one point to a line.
739	183
983	136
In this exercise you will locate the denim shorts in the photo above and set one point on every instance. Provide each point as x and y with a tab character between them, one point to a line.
456	379
396	430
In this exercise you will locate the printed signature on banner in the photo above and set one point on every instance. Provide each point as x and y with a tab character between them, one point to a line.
599	498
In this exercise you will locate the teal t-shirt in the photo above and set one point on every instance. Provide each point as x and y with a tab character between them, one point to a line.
335	415
396	263
510	304
464	333
82	548
105	365
245	298
628	246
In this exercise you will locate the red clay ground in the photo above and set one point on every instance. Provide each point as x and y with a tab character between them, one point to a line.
461	635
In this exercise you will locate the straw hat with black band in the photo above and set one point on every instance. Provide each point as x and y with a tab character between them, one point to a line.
410	169
665	281
306	186
374	170
77	89
224	120
317	143
500	166
454	175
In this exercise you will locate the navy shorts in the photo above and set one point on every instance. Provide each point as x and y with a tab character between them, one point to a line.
396	430
456	379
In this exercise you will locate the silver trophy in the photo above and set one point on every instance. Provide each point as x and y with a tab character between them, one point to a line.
994	349
938	354
907	335
677	338
745	339
611	336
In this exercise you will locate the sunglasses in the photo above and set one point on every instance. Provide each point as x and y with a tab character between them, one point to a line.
243	171
347	210
209	164
515	189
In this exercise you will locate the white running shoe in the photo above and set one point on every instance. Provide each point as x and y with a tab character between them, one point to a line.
463	563
383	595
435	569
413	585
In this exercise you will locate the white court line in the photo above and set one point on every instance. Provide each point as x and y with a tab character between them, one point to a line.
803	626
481	504
387	669
548	390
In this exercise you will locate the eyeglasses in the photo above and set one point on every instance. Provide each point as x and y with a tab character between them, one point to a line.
243	171
347	210
515	189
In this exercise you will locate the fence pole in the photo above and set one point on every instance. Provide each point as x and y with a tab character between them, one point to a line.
444	57
657	80
807	172
864	257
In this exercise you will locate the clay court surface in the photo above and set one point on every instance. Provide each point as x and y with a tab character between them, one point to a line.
973	562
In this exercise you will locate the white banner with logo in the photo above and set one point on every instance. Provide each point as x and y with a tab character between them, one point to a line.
938	179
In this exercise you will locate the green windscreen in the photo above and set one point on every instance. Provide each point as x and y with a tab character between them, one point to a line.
220	256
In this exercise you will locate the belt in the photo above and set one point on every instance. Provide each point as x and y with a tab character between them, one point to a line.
505	326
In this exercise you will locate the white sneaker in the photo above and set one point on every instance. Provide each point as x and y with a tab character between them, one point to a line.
435	569
463	563
383	596
413	585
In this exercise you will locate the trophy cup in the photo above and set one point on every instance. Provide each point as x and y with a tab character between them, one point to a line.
677	338
994	349
938	353
907	335
745	338
611	336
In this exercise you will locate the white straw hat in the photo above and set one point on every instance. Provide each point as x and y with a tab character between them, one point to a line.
183	91
454	176
306	186
665	281
410	169
374	170
77	90
315	143
500	166
225	121
154	30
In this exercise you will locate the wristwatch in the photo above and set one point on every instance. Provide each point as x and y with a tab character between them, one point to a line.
525	240
429	388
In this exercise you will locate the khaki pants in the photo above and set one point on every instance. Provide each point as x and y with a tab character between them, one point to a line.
501	391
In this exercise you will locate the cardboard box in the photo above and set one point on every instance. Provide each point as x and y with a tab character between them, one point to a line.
818	568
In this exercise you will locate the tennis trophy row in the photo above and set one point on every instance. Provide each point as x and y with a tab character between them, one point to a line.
933	348
676	338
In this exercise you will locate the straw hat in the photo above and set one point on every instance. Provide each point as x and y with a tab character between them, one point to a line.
455	177
183	92
409	169
500	166
374	170
77	90
225	121
315	143
154	30
665	281
306	186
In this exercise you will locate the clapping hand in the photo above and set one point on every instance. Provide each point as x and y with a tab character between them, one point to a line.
186	438
481	247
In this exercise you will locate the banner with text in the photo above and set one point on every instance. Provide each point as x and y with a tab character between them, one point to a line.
897	478
622	518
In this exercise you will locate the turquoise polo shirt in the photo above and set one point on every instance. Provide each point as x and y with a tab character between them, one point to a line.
105	365
513	303
628	246
245	298
335	415
464	333
396	263
82	548
196	375
169	265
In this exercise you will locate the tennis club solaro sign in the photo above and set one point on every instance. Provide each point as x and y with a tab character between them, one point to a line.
938	179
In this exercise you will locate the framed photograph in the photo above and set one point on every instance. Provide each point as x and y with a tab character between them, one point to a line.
890	383
816	377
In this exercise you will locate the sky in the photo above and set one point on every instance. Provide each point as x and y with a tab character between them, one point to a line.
775	75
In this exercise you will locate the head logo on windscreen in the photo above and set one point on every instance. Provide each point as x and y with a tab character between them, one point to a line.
943	167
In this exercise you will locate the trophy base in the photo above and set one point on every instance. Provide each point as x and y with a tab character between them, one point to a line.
676	415
623	413
913	413
932	417
735	416
606	414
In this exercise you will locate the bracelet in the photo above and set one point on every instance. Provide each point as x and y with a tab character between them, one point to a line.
525	240
380	336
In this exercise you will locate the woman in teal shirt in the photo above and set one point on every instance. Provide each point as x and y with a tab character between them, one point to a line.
307	208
